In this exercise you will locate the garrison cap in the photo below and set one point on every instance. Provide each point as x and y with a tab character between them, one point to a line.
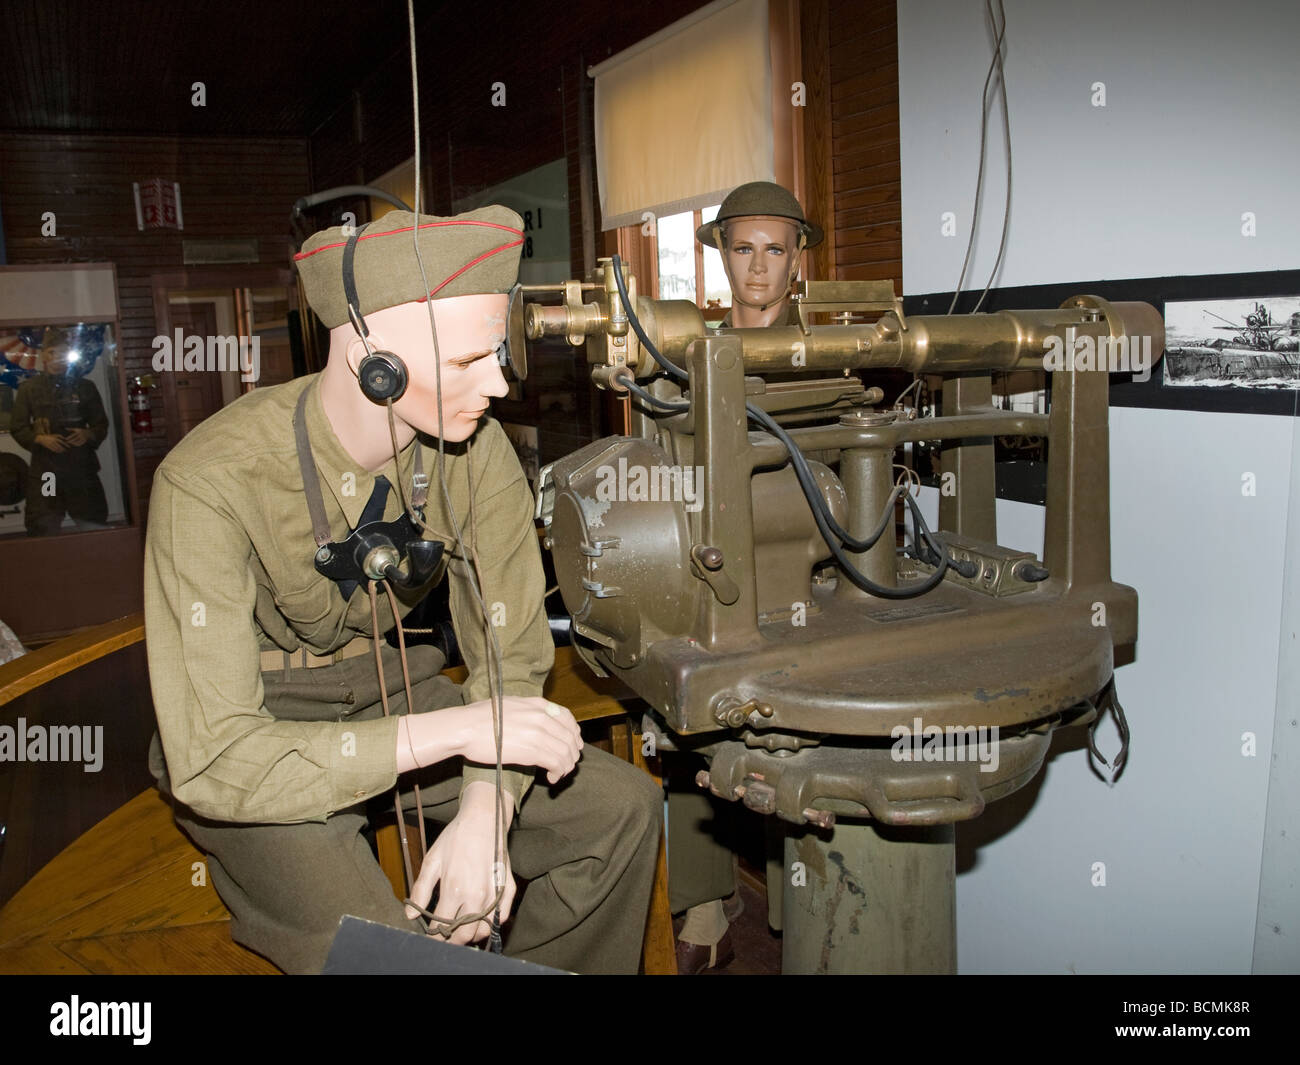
760	198
464	255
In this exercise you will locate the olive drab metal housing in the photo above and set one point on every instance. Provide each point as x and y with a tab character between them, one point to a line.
694	570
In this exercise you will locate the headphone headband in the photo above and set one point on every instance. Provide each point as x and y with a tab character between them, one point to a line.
350	285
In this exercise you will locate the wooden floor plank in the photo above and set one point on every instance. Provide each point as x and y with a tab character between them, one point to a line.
43	958
197	949
133	871
123	898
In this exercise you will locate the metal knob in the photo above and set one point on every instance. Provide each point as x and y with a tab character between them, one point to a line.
378	560
710	557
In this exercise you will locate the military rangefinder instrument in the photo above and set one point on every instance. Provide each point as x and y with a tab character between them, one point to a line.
736	562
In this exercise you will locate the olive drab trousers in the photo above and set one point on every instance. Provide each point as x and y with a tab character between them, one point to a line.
584	850
702	836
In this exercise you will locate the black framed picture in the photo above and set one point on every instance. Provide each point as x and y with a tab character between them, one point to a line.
1232	340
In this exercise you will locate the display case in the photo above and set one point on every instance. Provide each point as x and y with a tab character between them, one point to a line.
67	479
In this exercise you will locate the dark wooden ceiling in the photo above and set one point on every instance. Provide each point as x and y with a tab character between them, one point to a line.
270	67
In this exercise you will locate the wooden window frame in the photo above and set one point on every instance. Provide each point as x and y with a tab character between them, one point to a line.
640	251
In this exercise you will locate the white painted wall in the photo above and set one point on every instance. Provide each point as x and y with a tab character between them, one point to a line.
1198	128
1277	926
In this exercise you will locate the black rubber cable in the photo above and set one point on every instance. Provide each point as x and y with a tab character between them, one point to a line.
849	541
635	323
826	523
675	406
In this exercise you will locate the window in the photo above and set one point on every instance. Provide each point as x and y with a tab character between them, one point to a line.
681	119
687	270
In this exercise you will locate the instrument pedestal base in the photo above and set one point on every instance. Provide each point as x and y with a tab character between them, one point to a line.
870	898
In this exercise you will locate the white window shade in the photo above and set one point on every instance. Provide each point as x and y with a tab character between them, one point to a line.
685	116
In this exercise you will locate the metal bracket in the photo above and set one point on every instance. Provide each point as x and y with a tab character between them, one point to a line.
832	297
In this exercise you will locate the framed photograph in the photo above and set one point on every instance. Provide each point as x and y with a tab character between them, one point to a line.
1250	343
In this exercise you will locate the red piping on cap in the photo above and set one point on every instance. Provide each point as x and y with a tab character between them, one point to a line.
487	254
407	229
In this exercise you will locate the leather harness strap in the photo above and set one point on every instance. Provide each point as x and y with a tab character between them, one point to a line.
320	526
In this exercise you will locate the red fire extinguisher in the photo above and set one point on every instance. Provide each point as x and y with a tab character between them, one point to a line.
137	400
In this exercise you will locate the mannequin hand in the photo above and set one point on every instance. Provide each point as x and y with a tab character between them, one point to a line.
52	443
534	732
76	437
462	862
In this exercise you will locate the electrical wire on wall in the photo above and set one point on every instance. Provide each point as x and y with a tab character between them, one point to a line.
999	36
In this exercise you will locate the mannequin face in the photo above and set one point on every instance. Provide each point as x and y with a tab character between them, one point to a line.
471	331
760	255
55	362
56	358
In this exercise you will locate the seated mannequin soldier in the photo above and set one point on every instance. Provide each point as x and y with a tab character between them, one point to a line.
760	231
265	671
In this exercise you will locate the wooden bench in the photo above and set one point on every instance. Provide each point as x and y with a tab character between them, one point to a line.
131	895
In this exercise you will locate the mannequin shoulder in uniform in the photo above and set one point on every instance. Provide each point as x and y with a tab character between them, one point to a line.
259	423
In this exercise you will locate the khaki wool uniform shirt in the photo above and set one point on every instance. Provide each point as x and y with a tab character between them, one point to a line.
229	573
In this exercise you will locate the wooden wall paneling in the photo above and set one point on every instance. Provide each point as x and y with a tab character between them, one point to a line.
230	187
56	584
864	170
581	156
46	805
871	38
787	118
819	192
261	63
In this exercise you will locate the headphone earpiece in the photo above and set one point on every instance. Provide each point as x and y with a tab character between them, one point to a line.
382	376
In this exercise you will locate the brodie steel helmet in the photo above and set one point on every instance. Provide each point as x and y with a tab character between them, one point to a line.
759	198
